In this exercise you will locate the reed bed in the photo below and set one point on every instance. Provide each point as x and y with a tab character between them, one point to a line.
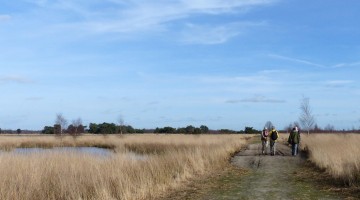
338	154
171	160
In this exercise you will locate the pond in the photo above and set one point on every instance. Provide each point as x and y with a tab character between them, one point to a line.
86	150
95	151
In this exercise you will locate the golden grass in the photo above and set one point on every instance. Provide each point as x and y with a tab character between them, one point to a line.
338	154
172	159
8	142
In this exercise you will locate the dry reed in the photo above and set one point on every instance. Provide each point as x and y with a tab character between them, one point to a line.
338	154
171	160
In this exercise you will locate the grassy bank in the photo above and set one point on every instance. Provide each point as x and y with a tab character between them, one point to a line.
337	154
172	159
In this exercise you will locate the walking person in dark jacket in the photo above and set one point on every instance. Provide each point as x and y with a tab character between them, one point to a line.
294	140
273	137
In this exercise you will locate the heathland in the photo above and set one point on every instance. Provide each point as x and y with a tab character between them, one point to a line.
253	175
153	166
167	161
337	154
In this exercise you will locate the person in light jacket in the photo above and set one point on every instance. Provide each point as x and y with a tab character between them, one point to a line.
264	140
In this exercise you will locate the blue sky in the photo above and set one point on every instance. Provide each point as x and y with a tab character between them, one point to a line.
221	63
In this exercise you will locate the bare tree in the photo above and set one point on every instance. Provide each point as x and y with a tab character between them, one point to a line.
268	125
77	123
289	127
121	123
329	128
306	118
60	120
292	125
297	124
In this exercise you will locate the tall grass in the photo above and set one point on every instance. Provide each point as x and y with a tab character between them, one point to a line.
338	154
172	159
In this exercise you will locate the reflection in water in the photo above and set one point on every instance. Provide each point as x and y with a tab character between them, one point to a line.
102	152
135	156
87	150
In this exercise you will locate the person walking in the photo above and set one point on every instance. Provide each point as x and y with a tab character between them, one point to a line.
264	140
273	137
294	140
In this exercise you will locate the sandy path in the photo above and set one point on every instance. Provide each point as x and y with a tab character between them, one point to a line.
272	177
256	176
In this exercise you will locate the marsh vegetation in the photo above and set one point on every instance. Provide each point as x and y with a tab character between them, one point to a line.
171	160
337	154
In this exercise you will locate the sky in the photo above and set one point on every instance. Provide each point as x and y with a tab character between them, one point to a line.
225	64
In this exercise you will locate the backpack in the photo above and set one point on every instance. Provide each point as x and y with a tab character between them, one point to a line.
274	135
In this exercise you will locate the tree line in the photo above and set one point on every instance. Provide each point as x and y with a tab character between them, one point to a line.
111	128
94	128
306	122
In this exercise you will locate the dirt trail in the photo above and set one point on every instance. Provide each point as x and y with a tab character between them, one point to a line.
272	177
257	176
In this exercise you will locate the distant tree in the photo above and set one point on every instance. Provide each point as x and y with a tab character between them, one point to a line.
157	130
18	131
197	131
204	129
329	128
0	130
57	129
140	130
181	130
166	129
71	130
60	120
77	123
94	128
76	127
121	123
81	129
129	129
190	129
48	130
306	118
251	130
268	125
107	128
227	131
317	129
291	126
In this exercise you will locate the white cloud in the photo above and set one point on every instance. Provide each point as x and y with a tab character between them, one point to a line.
272	71
306	62
252	79
15	79
222	6
34	98
4	17
338	83
40	3
256	99
340	65
209	34
137	16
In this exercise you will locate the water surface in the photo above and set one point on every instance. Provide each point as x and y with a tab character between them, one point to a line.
86	150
